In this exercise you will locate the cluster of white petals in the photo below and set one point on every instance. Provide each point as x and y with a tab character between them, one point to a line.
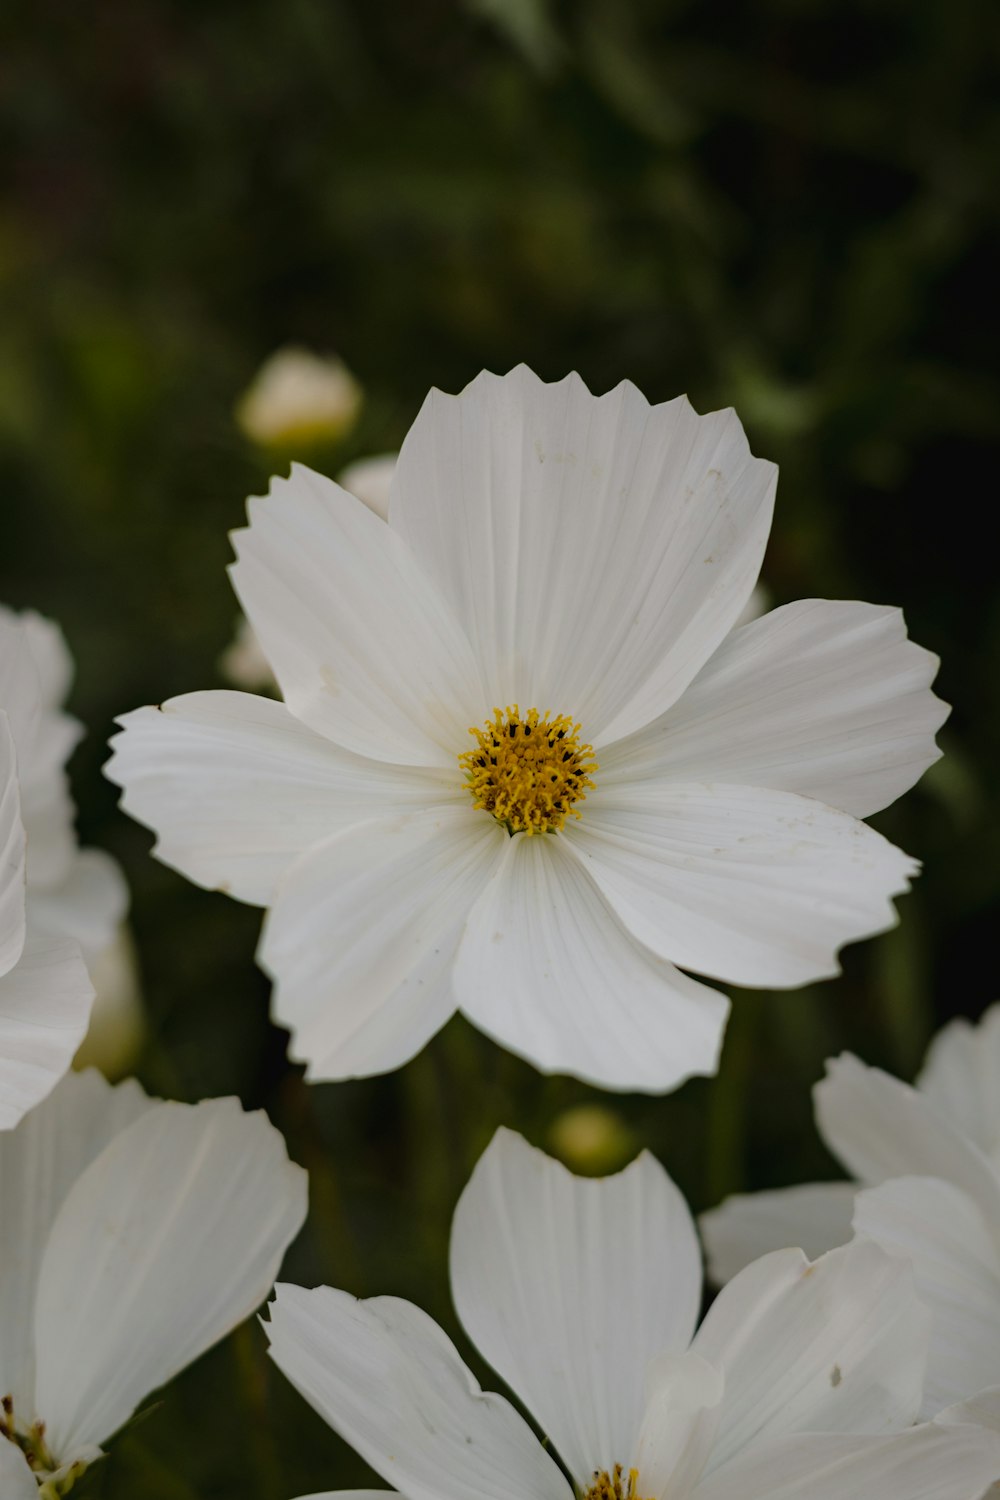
802	1383
927	1160
134	1235
585	557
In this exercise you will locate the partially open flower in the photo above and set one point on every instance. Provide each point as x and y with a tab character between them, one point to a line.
298	398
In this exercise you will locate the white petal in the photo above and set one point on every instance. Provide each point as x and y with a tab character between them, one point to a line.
16	1480
839	1344
547	970
39	1162
87	906
49	652
744	884
170	1237
595	549
352	1495
363	934
387	1380
880	1127
12	855
392	1385
44	740
569	1286
236	788
45	1005
956	1265
983	1410
363	647
926	1463
960	1077
814	1217
678	1429
826	699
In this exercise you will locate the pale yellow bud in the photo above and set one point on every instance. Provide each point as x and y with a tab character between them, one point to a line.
298	399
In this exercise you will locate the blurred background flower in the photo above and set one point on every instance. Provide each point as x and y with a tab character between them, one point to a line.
788	207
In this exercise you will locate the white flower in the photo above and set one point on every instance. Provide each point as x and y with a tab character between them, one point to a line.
45	994
930	1159
585	559
74	894
243	662
801	1383
299	397
134	1235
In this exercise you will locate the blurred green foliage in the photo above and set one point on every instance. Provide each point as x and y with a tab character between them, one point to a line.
786	206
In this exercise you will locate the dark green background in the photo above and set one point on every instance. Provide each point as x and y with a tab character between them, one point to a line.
789	207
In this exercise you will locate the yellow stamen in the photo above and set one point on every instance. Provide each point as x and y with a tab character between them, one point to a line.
607	1486
528	771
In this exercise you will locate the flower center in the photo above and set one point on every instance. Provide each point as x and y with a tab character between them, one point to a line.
528	770
613	1486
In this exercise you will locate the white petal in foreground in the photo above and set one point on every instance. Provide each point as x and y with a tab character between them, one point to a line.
836	1345
956	1264
814	1217
45	1003
170	1237
743	884
39	1162
569	1287
388	1380
932	1462
362	937
548	970
960	1077
879	1127
528	502
364	648
826	699
236	788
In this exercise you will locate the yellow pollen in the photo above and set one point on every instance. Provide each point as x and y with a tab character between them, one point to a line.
528	771
613	1486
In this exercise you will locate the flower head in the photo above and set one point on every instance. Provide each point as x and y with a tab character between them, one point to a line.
928	1158
135	1234
74	896
540	641
801	1383
299	397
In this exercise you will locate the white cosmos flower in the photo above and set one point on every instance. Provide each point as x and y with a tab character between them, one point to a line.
801	1383
555	590
243	662
134	1235
73	894
929	1157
